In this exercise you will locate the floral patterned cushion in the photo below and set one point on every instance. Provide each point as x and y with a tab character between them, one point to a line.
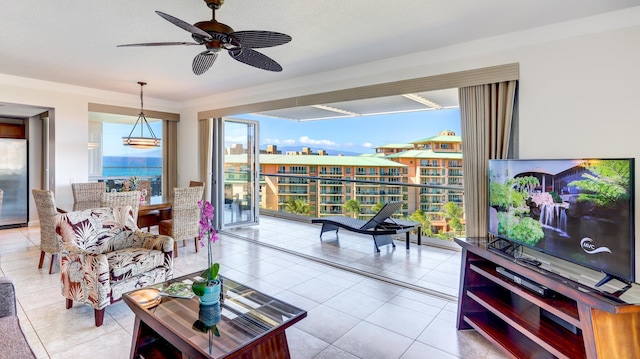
130	262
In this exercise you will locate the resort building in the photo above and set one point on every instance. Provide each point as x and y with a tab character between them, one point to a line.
299	175
435	161
319	180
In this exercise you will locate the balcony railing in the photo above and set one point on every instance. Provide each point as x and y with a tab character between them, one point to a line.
322	201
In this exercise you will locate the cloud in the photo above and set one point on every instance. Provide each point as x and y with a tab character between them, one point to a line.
275	141
367	144
236	139
310	141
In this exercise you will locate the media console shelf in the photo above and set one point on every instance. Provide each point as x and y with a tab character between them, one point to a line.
573	322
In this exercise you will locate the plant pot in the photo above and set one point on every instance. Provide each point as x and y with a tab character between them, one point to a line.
208	293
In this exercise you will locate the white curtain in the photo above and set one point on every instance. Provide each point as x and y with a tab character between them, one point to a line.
487	115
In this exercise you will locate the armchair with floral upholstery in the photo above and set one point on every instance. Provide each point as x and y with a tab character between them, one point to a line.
103	255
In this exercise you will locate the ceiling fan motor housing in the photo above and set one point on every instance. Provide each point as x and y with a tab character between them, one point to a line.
214	4
218	31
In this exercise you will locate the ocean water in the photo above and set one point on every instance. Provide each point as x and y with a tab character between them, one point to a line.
125	167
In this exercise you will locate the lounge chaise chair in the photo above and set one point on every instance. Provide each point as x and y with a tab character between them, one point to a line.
381	226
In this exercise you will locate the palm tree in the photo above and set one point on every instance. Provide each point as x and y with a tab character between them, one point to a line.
425	222
377	207
352	206
453	214
297	206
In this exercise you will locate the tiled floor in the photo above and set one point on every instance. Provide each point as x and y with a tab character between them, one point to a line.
349	315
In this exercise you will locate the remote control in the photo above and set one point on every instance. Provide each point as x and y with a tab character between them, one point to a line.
530	261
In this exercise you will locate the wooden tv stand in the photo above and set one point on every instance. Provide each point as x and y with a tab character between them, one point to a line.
508	315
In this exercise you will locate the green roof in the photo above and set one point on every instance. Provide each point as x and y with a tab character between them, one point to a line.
440	139
312	160
372	155
396	145
426	154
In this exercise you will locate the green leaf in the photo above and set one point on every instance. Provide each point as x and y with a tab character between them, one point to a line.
213	271
199	287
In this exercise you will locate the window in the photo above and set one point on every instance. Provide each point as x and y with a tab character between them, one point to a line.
298	169
112	162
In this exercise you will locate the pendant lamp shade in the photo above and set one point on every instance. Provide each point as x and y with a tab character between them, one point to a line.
141	142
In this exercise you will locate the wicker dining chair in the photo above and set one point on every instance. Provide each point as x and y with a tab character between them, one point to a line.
196	184
121	199
88	191
185	217
46	206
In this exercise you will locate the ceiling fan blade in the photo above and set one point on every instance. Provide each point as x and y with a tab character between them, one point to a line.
203	61
255	59
160	44
184	25
260	39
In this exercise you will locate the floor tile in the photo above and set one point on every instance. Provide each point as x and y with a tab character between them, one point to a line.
303	345
354	303
327	323
370	341
401	320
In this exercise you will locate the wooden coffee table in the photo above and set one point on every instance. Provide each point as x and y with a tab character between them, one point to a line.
252	325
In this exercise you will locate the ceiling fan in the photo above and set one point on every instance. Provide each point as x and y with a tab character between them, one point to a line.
217	36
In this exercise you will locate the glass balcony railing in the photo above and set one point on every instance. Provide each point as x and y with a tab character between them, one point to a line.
361	198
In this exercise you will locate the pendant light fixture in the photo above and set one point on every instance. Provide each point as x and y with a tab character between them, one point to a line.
141	142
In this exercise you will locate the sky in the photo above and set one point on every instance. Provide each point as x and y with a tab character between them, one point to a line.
357	134
112	134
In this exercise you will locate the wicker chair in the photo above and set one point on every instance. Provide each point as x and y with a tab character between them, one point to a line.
88	191
196	184
46	205
120	199
185	217
104	255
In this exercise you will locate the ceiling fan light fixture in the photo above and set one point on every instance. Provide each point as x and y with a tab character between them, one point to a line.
141	142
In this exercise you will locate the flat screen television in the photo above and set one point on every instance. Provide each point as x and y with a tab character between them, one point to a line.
579	210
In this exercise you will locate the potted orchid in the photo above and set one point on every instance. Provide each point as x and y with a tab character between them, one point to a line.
208	289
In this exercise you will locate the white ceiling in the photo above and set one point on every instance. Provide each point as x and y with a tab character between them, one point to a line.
74	42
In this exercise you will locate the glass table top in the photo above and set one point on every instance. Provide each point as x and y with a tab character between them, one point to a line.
242	316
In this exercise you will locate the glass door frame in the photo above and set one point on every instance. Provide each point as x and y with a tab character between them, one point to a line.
218	174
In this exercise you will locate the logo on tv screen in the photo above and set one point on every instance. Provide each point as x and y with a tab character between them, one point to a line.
588	246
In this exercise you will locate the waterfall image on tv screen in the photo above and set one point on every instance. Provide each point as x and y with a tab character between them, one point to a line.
580	210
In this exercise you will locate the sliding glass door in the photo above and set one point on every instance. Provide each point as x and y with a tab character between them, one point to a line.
235	172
